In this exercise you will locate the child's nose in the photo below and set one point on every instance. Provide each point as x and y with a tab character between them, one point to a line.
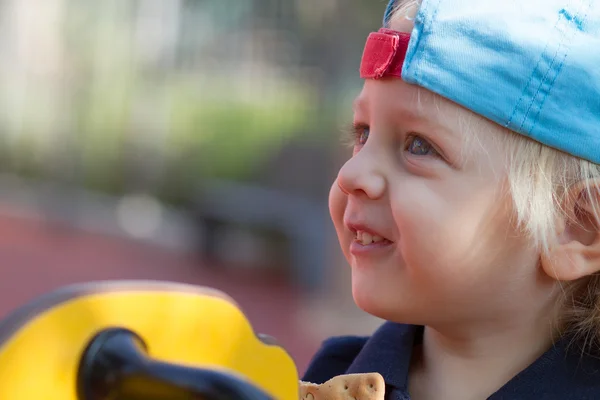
362	175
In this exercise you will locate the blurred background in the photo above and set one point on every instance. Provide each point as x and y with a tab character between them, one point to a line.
183	140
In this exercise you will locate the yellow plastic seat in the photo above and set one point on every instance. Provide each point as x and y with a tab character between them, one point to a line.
42	343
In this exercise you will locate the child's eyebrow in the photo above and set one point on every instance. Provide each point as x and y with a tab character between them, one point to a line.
434	119
358	104
415	111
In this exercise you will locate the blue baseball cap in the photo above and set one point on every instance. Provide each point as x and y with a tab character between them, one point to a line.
532	66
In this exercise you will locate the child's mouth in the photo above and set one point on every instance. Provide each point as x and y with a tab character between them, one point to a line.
368	244
366	238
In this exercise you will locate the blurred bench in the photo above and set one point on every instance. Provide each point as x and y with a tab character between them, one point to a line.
304	223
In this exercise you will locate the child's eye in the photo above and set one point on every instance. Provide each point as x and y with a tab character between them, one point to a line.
361	134
357	135
418	146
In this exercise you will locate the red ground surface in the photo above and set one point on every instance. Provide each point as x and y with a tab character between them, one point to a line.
36	258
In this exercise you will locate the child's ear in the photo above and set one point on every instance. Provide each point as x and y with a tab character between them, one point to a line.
576	250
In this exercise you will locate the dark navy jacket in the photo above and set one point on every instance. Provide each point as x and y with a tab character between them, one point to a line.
556	375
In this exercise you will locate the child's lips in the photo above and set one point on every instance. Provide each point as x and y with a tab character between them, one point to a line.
365	234
367	240
359	248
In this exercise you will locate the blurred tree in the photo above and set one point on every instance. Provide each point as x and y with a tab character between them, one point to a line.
153	95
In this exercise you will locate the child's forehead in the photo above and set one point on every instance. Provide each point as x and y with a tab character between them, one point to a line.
406	101
399	106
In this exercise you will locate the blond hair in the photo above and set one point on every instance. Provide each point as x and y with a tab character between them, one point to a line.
539	179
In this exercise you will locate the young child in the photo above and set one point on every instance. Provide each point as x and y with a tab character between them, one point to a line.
469	211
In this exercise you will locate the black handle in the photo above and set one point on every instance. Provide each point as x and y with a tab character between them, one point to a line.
116	366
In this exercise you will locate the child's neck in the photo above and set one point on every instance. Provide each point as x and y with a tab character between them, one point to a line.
473	367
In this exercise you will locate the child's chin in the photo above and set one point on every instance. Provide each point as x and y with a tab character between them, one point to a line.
376	304
370	302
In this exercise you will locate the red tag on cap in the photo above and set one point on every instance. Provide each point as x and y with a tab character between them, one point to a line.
384	54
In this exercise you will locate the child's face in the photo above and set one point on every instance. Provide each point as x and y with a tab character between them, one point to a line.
435	187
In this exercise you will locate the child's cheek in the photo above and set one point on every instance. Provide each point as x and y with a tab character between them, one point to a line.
337	206
444	232
434	232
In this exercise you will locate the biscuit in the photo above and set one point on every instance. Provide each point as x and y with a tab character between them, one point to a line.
369	386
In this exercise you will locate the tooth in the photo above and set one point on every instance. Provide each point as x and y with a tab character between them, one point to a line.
377	239
366	238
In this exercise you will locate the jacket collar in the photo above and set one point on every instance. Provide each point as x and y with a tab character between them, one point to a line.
557	374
